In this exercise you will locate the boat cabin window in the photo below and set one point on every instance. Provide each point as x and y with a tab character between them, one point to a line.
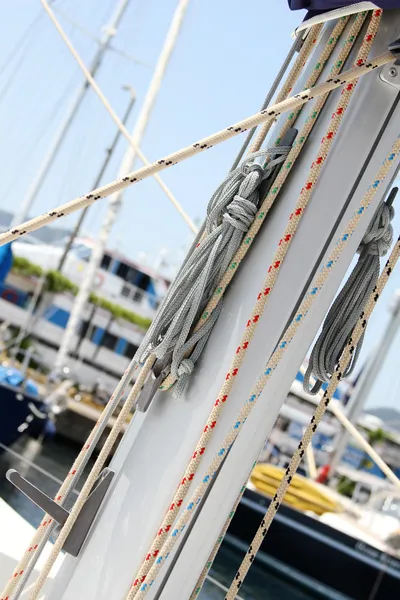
132	276
137	296
130	350
144	281
84	328
108	340
282	424
127	273
105	262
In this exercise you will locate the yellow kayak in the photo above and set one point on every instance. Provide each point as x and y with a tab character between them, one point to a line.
303	494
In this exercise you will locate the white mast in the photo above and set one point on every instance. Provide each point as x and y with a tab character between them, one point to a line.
109	32
115	201
155	450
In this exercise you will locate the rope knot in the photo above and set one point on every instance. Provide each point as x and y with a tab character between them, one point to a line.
240	213
186	367
379	235
249	167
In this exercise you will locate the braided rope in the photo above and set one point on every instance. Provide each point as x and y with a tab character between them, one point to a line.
277	186
262	116
270	367
203	575
349	303
224	392
293	76
319	412
318	68
249	332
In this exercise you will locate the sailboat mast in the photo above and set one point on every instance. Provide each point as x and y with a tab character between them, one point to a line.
115	201
109	32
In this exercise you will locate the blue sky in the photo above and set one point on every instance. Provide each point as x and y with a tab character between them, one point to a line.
227	56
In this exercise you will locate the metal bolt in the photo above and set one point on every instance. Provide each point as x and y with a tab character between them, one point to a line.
393	72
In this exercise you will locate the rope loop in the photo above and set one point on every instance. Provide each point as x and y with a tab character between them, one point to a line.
350	303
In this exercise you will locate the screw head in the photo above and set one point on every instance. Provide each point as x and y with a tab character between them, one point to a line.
393	72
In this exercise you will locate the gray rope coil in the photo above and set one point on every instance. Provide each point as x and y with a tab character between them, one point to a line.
230	213
349	304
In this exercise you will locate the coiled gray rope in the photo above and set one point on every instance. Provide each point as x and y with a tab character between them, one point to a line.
349	304
230	213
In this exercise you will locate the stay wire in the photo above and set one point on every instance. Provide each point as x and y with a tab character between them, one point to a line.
268	99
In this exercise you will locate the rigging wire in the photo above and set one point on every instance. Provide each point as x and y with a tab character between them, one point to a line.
156	81
271	93
21	43
44	126
96	39
11	78
81	140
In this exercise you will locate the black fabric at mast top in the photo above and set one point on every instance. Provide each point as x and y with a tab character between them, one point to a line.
316	7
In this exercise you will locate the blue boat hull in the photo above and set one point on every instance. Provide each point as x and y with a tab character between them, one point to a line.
20	413
328	562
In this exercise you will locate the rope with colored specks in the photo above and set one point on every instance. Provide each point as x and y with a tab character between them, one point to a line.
273	362
310	83
319	412
154	552
293	76
262	116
